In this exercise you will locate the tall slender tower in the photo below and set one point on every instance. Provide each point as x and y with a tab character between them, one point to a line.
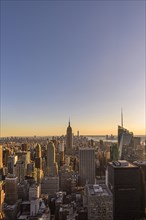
50	154
121	117
69	139
51	161
38	151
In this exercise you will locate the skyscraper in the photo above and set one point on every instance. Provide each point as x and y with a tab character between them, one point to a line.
50	154
1	197
51	161
11	189
87	165
20	170
1	182
125	141
124	181
38	151
1	156
38	158
12	159
1	162
69	138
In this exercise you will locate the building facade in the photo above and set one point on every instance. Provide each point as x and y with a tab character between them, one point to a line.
98	200
124	181
69	138
86	165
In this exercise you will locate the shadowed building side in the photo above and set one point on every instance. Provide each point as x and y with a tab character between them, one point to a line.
87	165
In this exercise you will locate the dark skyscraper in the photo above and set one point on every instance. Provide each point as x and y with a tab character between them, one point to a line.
87	165
69	138
124	181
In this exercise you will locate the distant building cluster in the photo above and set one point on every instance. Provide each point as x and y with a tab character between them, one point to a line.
73	177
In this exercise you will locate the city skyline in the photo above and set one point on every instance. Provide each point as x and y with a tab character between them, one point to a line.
84	60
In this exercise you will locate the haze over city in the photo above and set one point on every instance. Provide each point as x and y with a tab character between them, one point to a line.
84	60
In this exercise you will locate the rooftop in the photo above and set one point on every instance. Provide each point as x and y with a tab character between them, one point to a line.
122	164
98	190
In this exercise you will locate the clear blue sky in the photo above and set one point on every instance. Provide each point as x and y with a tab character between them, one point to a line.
81	59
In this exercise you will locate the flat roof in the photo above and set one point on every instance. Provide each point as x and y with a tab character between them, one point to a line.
122	164
98	190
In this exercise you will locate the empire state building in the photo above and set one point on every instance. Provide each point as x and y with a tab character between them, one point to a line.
69	138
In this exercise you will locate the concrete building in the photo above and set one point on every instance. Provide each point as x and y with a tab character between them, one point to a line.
34	207
24	156
50	185
24	147
19	170
11	187
38	151
6	154
1	196
1	156
61	153
38	162
98	200
34	192
51	161
11	162
86	165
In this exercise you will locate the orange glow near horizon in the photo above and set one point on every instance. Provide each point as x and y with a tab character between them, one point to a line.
54	131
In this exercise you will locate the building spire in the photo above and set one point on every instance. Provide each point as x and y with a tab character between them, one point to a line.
122	117
69	121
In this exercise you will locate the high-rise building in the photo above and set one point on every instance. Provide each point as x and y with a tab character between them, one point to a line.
24	147
1	182
38	151
19	171
12	159
50	154
124	181
1	196
38	162
6	154
87	165
61	153
125	142
24	156
34	192
50	185
1	162
1	156
69	138
142	166
11	189
51	161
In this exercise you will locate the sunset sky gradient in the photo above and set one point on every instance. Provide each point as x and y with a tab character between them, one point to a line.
79	59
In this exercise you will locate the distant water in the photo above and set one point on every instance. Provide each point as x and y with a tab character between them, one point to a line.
115	139
103	138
